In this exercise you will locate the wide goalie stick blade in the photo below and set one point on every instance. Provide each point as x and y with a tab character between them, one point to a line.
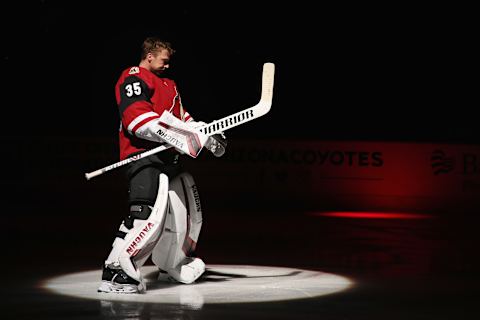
217	126
258	110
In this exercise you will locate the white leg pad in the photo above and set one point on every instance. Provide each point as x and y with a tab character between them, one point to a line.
188	271
182	229
130	253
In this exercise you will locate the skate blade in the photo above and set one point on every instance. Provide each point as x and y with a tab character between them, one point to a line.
111	287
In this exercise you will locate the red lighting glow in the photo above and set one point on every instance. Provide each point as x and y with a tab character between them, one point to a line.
371	215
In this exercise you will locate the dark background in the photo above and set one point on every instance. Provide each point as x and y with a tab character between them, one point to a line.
343	71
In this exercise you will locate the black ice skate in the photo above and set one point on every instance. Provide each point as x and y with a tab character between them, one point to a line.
115	280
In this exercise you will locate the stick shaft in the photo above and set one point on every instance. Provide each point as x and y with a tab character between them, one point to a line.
126	161
216	126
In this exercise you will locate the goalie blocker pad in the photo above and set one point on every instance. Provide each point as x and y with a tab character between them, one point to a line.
183	223
180	135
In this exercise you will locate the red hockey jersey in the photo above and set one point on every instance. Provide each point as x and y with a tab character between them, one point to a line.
142	97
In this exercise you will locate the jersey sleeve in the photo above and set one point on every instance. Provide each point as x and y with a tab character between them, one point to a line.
133	98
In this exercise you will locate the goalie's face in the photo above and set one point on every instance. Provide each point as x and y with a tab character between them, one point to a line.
159	61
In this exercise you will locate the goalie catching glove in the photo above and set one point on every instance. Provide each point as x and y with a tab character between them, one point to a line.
217	144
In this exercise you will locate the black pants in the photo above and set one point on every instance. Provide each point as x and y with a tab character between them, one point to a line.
143	176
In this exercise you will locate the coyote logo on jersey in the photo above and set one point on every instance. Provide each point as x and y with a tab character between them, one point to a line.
134	70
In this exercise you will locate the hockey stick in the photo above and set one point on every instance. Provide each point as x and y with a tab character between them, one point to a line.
216	126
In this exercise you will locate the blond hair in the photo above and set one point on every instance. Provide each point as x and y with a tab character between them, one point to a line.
154	45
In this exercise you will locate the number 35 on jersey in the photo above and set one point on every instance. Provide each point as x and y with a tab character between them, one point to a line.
132	89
